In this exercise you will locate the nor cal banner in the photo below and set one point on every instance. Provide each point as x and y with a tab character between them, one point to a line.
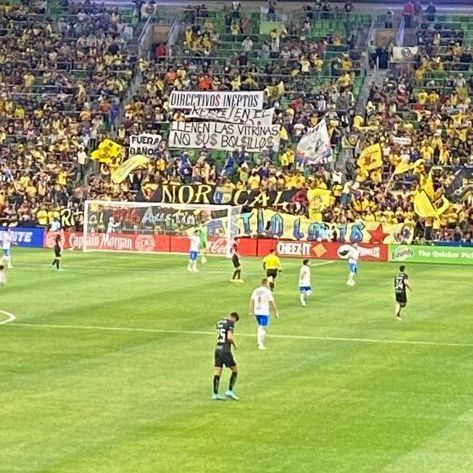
292	227
223	136
234	115
431	254
215	100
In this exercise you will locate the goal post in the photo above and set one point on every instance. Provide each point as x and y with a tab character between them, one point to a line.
158	227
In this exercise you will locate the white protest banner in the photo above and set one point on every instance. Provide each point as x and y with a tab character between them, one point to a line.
145	144
404	53
315	146
215	100
223	136
235	115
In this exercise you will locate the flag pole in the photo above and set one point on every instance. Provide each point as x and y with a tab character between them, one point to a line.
389	183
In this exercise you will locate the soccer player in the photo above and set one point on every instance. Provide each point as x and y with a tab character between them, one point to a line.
112	225
57	253
262	305
3	276
194	252
236	264
353	257
203	235
7	242
305	288
224	356
272	266
401	284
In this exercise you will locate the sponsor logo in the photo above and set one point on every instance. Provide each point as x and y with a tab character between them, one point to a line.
402	253
374	252
217	247
293	249
144	243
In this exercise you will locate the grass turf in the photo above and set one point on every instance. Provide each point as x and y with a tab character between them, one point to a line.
351	389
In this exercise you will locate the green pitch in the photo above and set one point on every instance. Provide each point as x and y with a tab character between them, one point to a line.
108	369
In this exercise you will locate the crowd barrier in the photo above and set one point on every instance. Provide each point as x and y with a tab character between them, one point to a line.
439	254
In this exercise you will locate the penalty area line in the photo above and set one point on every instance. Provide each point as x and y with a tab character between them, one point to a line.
10	317
197	332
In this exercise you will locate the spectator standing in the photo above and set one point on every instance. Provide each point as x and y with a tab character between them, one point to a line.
271	10
430	12
388	21
408	12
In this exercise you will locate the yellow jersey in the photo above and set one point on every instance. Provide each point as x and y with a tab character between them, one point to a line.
271	262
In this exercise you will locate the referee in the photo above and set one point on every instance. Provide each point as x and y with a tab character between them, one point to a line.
272	266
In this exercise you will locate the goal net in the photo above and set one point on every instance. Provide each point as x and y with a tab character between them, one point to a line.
157	227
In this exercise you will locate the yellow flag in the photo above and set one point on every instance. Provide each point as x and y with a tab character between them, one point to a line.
322	196
127	167
427	185
404	167
424	207
371	158
107	151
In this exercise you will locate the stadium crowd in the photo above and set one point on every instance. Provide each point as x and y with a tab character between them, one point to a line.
64	85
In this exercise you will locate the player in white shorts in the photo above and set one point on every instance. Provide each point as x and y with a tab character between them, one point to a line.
305	289
7	241
353	257
194	251
3	276
262	305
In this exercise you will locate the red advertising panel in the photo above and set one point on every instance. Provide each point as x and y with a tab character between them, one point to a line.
321	250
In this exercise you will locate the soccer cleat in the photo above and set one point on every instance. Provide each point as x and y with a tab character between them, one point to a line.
261	347
350	283
189	269
233	280
195	270
203	260
10	266
398	317
303	303
217	397
232	395
240	281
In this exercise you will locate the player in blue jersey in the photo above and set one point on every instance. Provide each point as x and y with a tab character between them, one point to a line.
353	256
194	251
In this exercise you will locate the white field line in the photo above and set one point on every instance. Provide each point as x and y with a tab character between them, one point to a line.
197	332
10	317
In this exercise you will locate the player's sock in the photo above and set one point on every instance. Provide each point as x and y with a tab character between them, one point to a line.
235	273
271	286
238	273
233	379
398	310
216	383
259	335
302	298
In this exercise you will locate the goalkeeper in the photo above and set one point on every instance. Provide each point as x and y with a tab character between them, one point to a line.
203	234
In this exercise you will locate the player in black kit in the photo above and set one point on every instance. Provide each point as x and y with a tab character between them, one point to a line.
401	284
236	264
57	253
224	356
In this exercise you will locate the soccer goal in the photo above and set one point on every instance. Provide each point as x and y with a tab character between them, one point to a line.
157	227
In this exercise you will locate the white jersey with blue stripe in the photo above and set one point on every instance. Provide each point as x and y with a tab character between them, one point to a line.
195	244
353	256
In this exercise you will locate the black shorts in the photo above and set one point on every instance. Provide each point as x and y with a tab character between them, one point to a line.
224	358
236	261
272	273
401	298
57	252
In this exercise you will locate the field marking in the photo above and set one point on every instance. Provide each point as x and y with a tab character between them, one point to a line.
197	332
10	317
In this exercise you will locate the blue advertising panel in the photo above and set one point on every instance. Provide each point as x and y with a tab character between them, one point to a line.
25	236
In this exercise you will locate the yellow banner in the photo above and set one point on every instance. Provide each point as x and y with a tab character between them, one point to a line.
401	168
292	227
120	174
